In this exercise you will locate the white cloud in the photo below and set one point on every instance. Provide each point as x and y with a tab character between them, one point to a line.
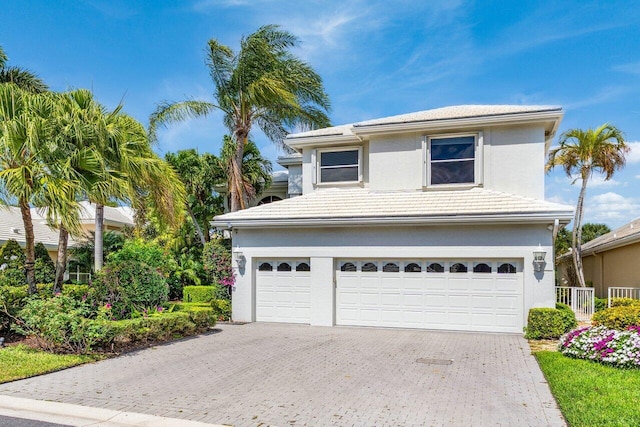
611	208
634	154
631	68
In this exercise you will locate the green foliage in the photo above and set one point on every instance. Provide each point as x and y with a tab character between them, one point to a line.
568	316
624	302
83	253
216	258
222	308
60	324
619	318
199	293
139	251
549	323
600	304
44	268
129	287
589	232
12	259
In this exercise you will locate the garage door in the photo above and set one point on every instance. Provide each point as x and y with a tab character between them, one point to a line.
467	295
283	290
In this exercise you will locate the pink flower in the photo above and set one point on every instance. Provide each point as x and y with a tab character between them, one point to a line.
107	306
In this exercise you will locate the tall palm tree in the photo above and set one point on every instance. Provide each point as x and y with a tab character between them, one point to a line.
262	84
23	78
580	154
256	170
25	146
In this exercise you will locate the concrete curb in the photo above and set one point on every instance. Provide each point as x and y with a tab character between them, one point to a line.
76	415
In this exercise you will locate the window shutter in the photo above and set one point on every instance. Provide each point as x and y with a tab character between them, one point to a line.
314	166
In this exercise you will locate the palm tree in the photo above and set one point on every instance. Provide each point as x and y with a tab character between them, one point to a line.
256	170
25	146
23	78
263	84
580	154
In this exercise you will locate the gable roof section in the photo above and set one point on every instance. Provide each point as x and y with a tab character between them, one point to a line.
364	207
457	116
625	235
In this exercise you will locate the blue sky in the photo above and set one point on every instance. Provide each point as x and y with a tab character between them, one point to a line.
377	58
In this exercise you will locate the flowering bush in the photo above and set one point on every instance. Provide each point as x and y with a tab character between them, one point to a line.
609	346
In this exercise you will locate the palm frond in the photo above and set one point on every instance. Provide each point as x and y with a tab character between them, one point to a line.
168	113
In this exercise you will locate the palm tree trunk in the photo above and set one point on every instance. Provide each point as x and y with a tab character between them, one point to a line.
98	242
235	178
576	244
61	262
197	226
30	250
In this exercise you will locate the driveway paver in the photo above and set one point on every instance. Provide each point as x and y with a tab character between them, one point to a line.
276	374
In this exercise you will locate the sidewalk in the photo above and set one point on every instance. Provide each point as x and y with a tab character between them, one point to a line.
76	415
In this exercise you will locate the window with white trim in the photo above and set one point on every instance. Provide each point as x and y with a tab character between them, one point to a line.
452	159
341	165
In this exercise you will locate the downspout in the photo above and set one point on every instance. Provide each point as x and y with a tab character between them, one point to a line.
554	234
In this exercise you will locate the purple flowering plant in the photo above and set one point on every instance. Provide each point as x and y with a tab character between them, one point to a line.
604	345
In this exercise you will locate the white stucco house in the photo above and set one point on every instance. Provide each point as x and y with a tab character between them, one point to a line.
422	220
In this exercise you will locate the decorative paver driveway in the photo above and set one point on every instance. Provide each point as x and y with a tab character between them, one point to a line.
270	374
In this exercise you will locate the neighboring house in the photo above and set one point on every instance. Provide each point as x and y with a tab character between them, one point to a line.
612	259
423	220
12	227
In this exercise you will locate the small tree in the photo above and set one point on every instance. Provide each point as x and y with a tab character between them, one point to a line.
12	259
580	154
44	267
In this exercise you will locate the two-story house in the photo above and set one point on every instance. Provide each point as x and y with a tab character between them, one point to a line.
423	220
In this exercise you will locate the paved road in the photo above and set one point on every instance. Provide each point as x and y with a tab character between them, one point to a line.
270	374
21	422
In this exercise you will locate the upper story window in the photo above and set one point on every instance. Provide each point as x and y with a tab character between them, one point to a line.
343	165
452	159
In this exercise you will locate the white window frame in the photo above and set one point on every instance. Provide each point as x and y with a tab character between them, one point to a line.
318	169
477	164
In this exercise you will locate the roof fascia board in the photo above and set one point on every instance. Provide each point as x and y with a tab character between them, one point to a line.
310	141
507	119
624	241
564	218
289	161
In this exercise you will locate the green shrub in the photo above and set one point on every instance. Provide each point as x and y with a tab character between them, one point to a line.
59	324
547	323
216	259
12	259
568	316
45	270
620	317
600	304
222	308
199	293
139	251
624	302
129	288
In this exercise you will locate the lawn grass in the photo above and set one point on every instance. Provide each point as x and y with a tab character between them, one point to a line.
592	394
20	361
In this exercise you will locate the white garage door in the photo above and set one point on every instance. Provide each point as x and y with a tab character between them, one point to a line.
283	291
468	295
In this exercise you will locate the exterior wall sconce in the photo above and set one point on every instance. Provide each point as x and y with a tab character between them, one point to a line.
241	260
538	258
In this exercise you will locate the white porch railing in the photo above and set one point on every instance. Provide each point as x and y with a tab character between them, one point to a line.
581	300
620	292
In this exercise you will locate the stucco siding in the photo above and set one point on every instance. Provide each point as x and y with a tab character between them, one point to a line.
514	160
615	267
324	245
395	162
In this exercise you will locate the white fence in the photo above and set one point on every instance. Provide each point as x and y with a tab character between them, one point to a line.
581	301
619	292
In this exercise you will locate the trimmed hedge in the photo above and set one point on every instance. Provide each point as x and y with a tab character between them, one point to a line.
199	293
550	323
625	302
600	304
620	317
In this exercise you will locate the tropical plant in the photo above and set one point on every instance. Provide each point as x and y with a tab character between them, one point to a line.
582	153
255	172
199	173
262	84
26	147
589	232
21	77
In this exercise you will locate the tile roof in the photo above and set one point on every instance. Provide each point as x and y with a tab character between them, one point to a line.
627	234
362	204
13	228
445	113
